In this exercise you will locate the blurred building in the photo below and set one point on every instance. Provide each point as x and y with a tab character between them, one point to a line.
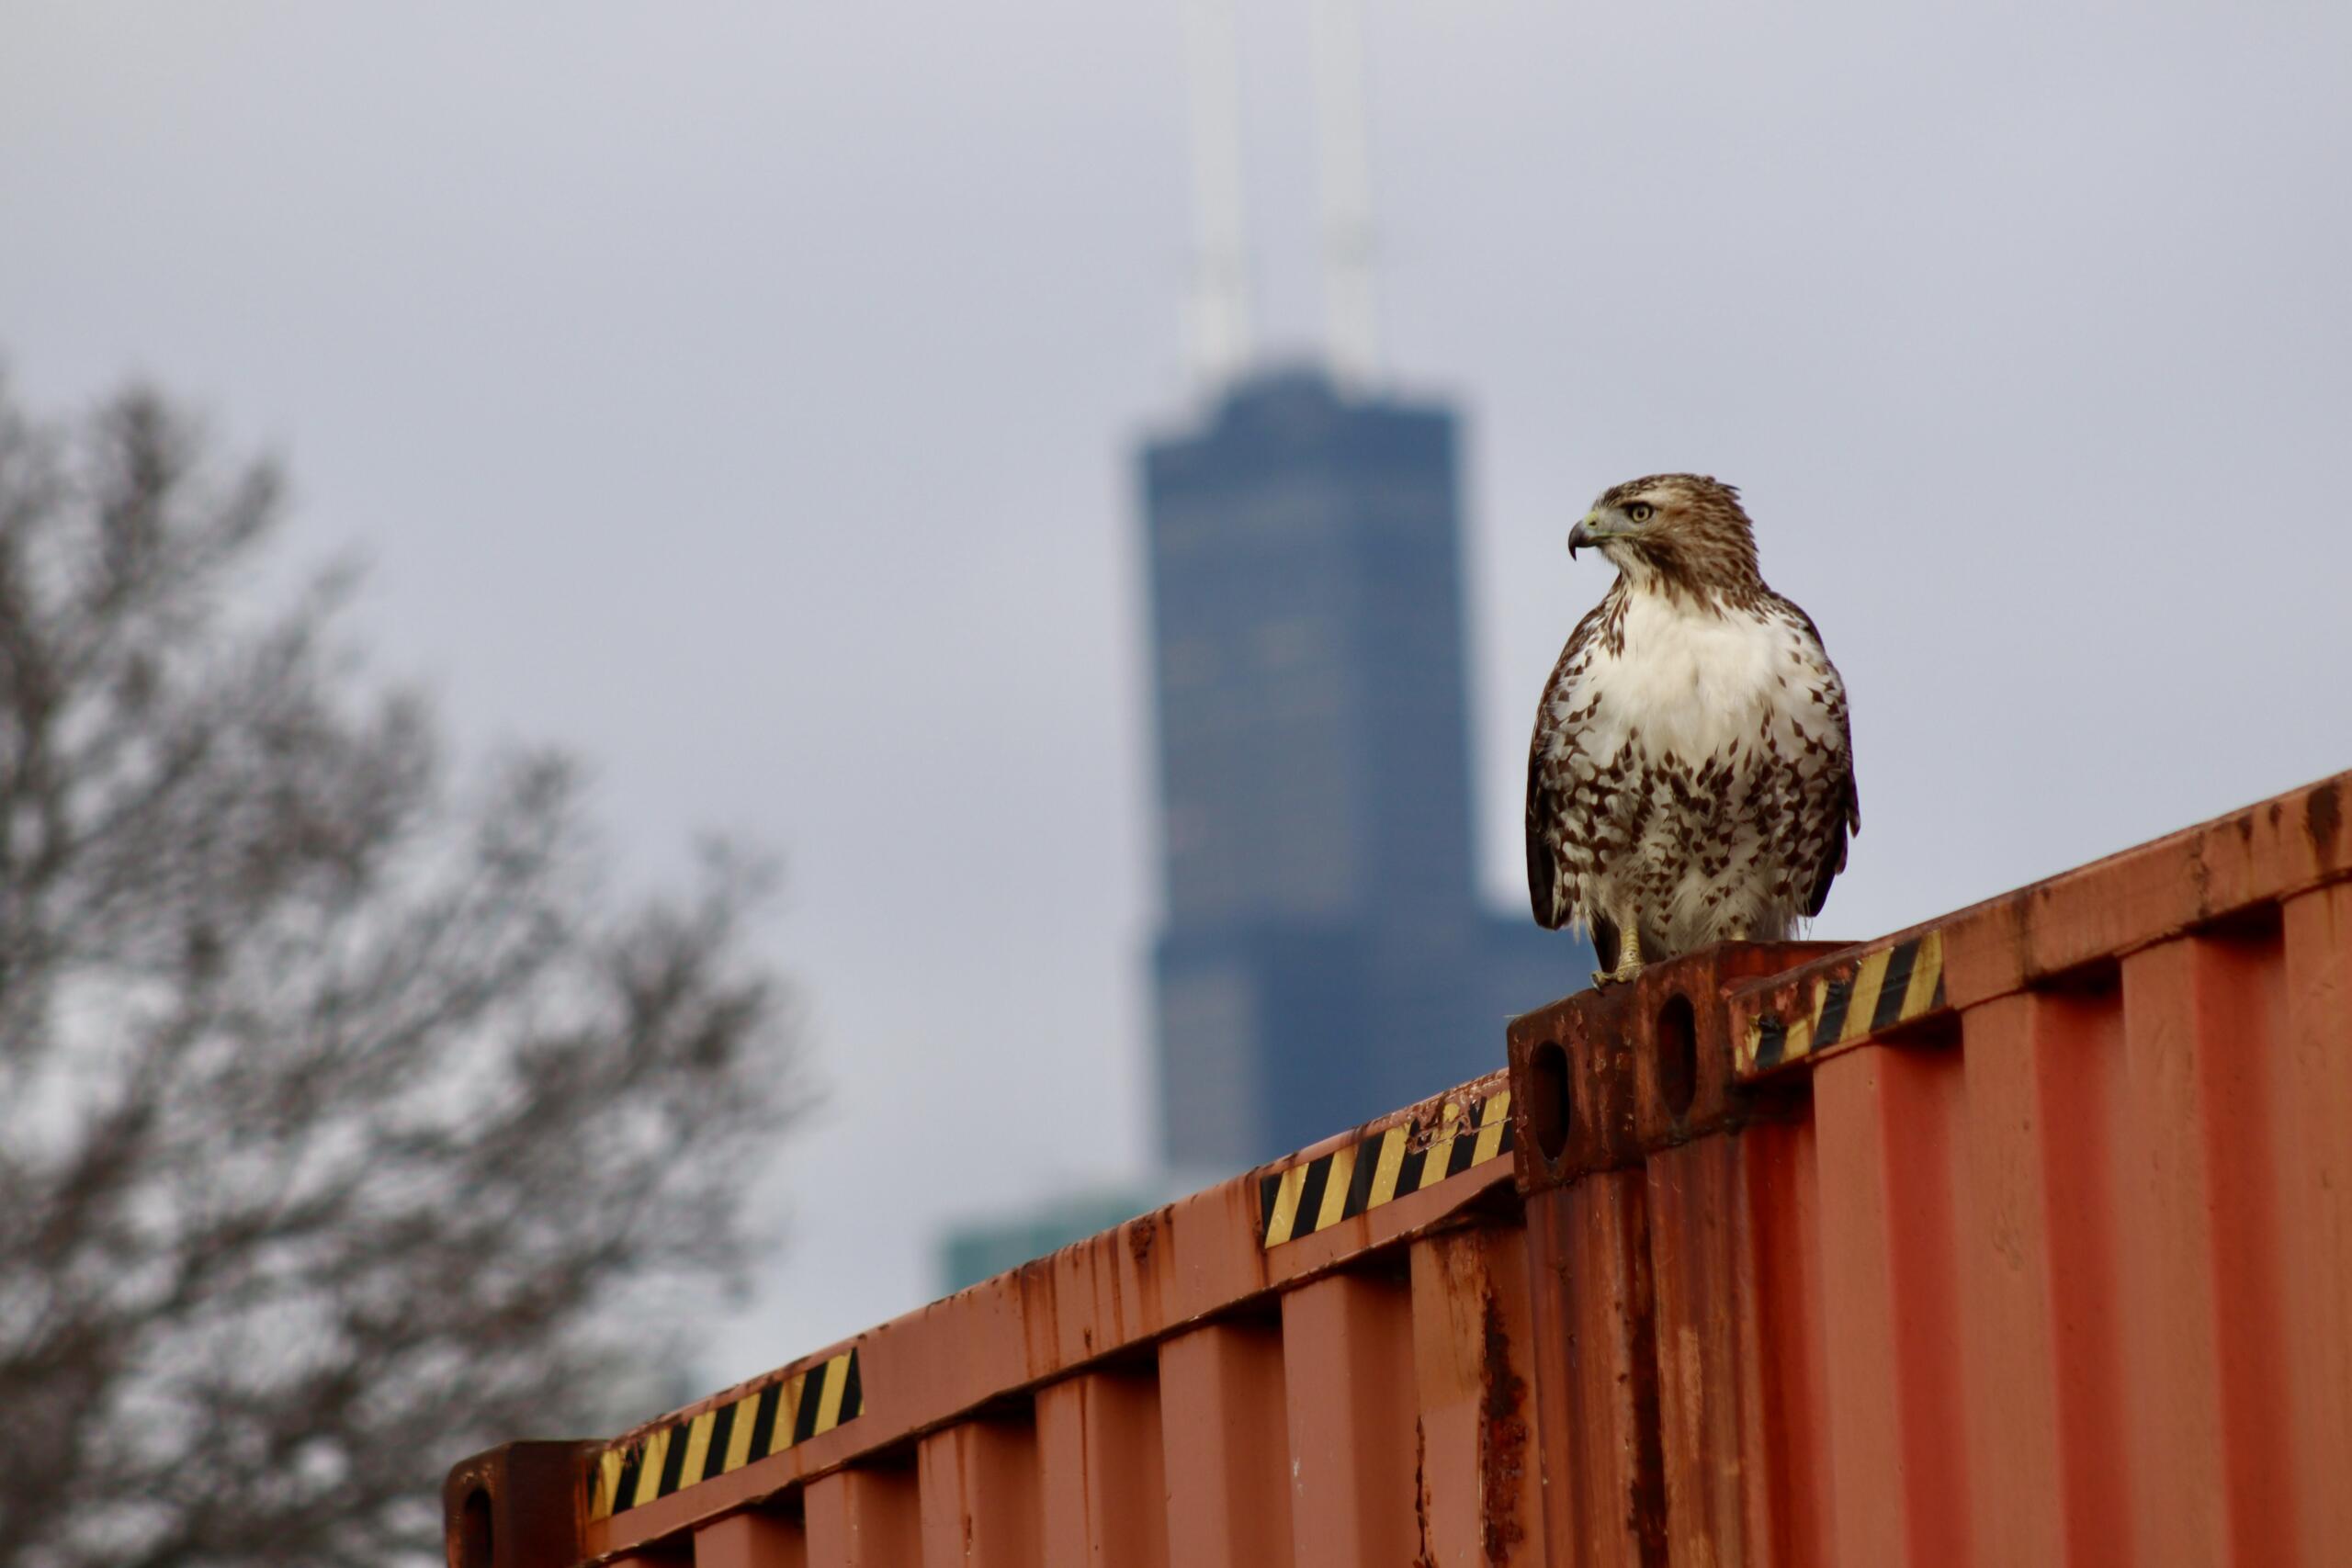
1325	957
1325	954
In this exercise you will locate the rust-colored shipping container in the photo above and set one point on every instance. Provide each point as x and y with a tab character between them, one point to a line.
2024	1236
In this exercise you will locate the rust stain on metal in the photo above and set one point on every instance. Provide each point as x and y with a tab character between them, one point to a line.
2021	933
1421	1558
1040	1315
1427	1124
1502	1439
2323	820
1645	1506
1142	1232
2201	876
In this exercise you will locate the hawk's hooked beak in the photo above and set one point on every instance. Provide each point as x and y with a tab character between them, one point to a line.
1584	534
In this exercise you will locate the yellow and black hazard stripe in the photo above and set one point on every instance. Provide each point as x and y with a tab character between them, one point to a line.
1318	1194
1892	985
727	1436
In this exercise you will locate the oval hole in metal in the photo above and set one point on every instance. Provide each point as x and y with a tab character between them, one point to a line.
475	1546
1548	1107
1678	1054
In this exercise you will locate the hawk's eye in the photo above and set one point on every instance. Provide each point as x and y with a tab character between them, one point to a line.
1639	511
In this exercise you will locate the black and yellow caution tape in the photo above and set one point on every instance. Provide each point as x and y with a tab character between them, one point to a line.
727	1436
1317	1195
1892	985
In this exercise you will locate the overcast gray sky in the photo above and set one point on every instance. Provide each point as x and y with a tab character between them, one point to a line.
742	394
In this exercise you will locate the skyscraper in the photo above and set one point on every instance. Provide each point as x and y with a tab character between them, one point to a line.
1325	957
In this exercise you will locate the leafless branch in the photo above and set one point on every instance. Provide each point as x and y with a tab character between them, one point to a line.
341	1108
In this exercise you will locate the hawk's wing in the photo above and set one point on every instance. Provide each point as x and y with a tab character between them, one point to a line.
1848	819
1542	876
1849	822
1544	827
1543	816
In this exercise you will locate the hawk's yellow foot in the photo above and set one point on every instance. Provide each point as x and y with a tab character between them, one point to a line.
1629	956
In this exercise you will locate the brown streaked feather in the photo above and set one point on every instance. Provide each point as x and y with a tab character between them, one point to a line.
1833	860
1833	856
1543	875
1543	824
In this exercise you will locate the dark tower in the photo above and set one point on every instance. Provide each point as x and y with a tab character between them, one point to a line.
1324	957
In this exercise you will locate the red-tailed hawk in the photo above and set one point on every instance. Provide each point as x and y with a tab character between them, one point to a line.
1691	779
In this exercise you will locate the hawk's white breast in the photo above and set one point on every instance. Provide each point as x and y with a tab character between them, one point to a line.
1696	680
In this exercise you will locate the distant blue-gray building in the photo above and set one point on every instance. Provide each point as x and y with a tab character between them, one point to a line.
1325	957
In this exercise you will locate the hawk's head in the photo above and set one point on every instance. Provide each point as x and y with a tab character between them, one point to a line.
1674	531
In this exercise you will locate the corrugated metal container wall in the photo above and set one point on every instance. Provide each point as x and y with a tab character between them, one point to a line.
2022	1237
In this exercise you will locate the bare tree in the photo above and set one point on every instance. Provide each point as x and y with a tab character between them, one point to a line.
338	1106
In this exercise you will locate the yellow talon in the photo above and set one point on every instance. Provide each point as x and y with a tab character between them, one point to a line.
1629	957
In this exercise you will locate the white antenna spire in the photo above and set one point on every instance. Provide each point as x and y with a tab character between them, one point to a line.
1220	336
1350	309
